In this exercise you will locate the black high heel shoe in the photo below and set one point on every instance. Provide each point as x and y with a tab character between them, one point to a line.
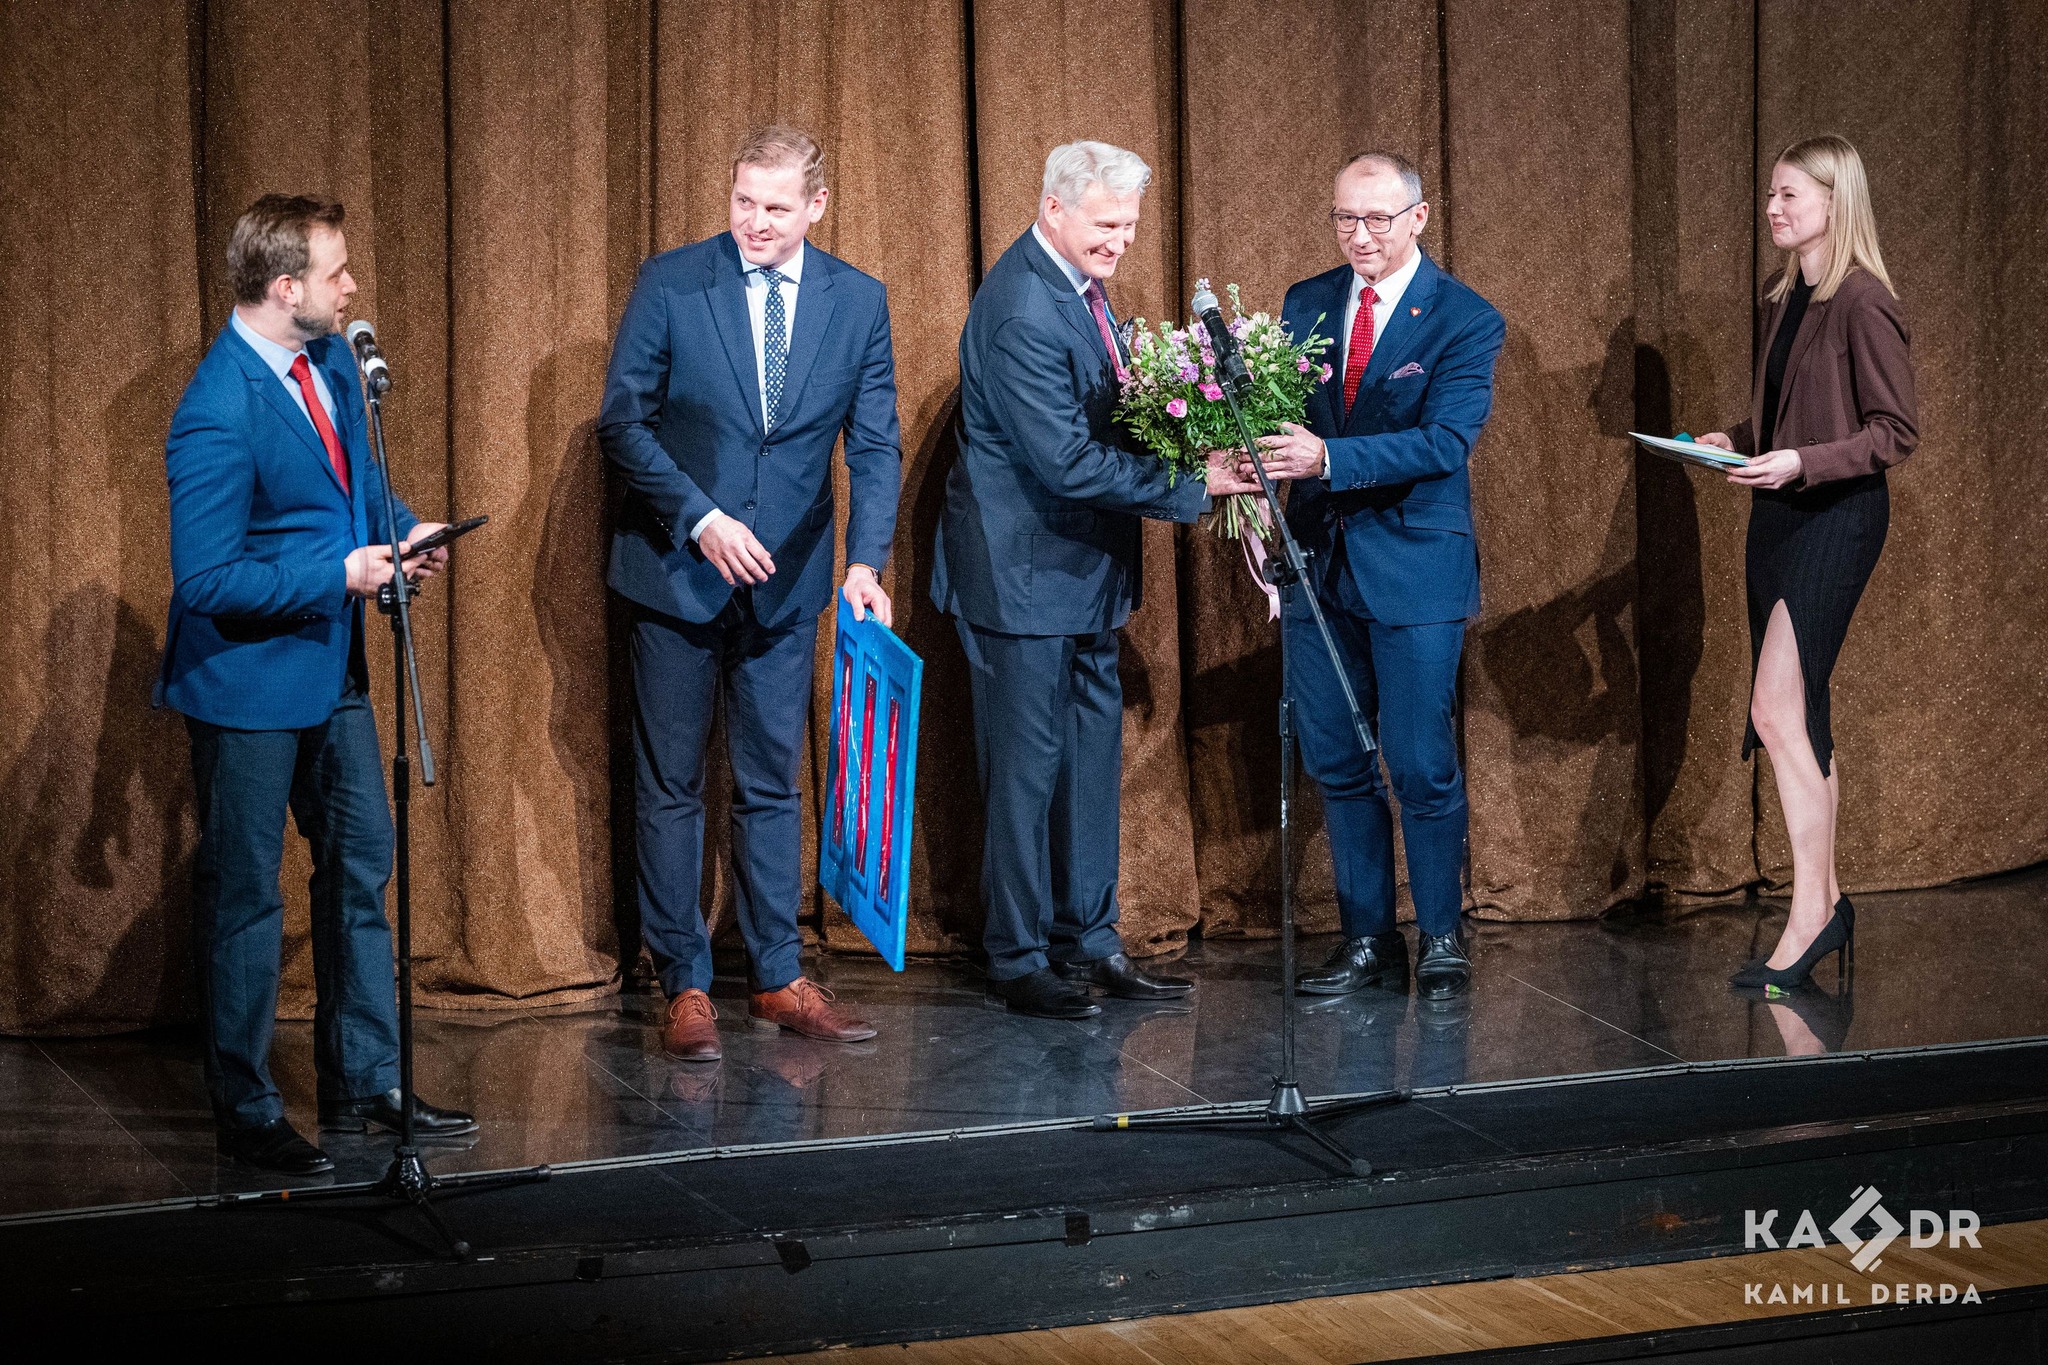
1847	910
1844	908
1835	936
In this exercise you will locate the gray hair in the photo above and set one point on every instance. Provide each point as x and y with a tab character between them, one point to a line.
1071	169
1411	179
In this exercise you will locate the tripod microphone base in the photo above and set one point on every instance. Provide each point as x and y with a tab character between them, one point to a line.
406	1178
1287	1111
409	1179
1286	1103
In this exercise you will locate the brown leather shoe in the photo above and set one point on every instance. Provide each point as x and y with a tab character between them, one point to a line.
803	1006
691	1034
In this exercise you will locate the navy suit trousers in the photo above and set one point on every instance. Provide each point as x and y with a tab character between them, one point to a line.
680	670
1049	740
331	778
1406	678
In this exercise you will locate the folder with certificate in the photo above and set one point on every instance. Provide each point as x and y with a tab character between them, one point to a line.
1690	451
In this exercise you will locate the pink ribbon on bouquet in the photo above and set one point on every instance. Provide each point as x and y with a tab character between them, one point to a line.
1255	558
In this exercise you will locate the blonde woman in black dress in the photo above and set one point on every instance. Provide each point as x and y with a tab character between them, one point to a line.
1832	408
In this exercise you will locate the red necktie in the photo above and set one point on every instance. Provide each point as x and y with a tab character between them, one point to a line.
1098	303
1359	353
303	372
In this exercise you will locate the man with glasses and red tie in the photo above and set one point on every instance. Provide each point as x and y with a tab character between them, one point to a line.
1383	502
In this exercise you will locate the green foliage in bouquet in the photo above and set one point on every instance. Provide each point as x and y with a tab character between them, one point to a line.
1173	403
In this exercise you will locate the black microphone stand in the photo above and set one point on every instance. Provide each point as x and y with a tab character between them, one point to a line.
1286	1110
407	1177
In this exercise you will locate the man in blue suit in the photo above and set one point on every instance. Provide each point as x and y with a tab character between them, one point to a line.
1384	503
1037	562
276	521
740	361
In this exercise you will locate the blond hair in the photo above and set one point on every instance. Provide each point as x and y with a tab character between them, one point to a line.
778	146
1852	226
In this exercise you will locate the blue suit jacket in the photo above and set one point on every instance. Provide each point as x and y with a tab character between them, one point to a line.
1040	533
262	632
682	419
1398	483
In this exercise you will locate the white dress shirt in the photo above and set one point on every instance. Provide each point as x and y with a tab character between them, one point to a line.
1080	279
1074	273
756	283
279	359
1387	297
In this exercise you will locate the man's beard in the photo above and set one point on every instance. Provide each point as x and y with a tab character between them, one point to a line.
312	326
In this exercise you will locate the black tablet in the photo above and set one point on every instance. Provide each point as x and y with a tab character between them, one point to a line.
452	531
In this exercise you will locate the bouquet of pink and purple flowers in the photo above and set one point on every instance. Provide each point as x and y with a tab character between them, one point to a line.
1173	403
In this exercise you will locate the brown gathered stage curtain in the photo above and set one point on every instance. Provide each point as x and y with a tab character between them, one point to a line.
1595	168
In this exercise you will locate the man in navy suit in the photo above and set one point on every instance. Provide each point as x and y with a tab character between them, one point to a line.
739	363
276	521
1037	562
1384	503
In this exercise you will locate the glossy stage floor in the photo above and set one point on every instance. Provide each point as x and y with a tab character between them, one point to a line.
92	1122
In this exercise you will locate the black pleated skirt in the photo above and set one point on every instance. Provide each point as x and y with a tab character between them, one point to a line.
1814	549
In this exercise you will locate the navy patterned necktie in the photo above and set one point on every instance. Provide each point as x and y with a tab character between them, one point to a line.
774	346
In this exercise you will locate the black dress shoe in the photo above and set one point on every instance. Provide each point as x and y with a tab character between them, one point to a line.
1124	979
1360	962
382	1111
275	1146
1042	995
1442	970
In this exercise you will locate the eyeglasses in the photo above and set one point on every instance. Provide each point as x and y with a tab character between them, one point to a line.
1378	224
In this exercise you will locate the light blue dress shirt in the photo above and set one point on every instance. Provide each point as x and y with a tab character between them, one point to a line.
279	359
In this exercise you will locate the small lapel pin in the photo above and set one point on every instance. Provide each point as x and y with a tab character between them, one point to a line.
1414	312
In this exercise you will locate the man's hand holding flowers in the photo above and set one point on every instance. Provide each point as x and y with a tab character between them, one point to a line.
1294	452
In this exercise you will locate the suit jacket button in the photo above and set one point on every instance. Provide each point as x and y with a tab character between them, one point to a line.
750	504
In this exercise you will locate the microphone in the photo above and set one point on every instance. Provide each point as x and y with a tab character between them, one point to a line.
363	338
1229	363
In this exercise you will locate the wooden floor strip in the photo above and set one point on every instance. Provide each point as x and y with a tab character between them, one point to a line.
1397	1324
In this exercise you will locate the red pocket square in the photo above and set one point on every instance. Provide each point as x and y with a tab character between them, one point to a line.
1407	371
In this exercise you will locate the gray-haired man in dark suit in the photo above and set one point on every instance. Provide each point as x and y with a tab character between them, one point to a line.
1037	561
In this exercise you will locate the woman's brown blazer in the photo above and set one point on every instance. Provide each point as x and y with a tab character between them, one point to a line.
1847	403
